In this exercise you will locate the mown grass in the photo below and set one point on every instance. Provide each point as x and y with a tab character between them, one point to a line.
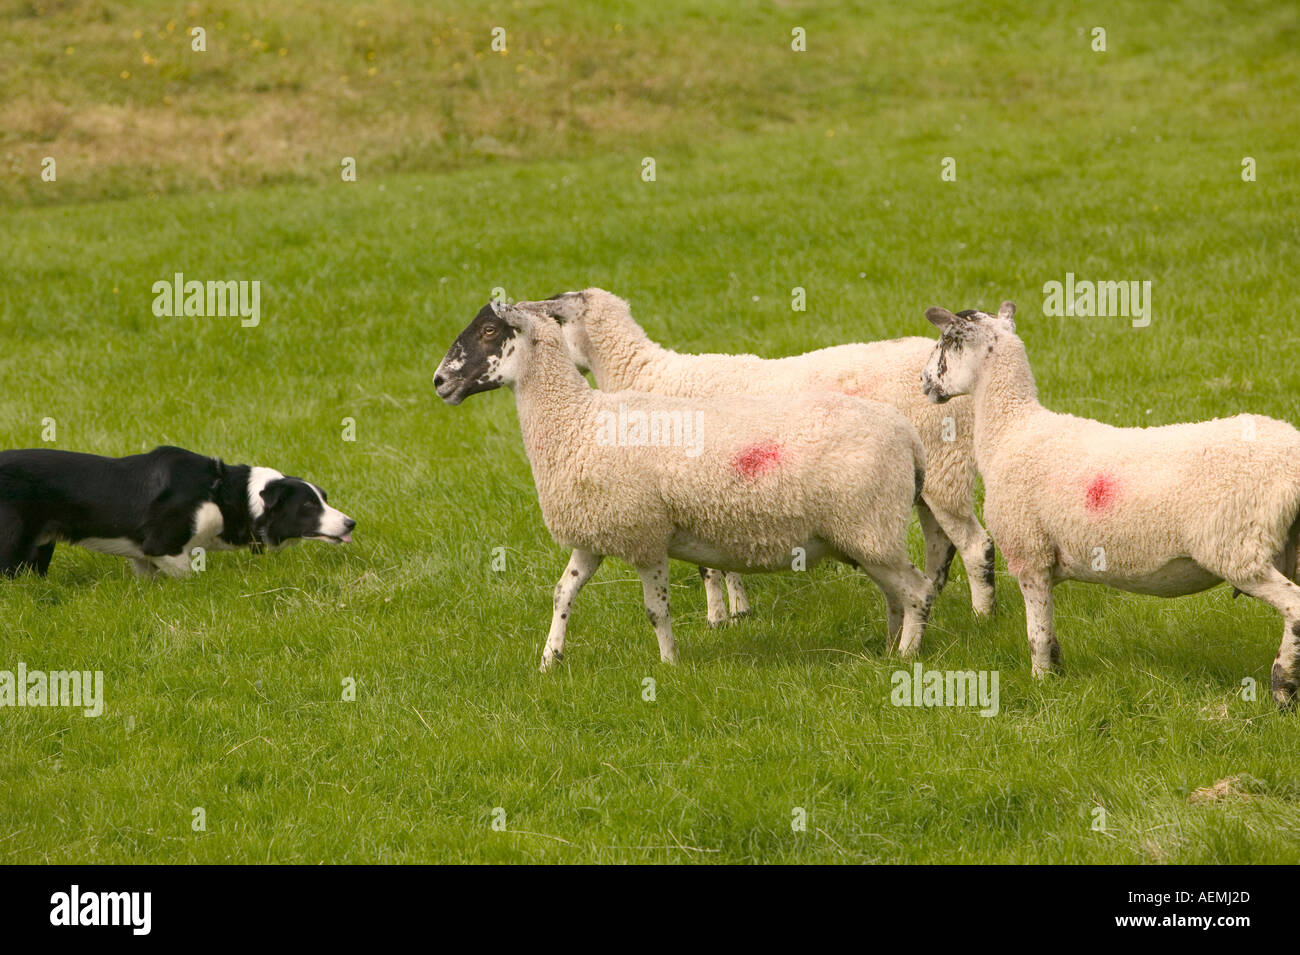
224	691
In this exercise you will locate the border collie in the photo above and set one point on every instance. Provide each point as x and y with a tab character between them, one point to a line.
152	508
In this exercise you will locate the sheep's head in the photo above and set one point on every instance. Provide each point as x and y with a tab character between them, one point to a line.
967	339
492	351
581	315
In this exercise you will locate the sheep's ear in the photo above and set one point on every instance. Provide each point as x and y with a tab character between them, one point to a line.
512	315
565	307
1007	312
940	317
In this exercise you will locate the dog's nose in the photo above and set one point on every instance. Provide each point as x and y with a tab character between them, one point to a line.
349	523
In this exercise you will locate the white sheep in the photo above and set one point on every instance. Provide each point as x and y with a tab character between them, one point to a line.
739	483
1167	510
604	338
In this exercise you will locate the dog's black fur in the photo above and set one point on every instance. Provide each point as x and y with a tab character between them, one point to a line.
148	506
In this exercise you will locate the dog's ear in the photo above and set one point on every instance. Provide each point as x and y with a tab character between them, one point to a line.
274	493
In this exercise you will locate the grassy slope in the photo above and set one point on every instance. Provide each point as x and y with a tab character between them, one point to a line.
223	690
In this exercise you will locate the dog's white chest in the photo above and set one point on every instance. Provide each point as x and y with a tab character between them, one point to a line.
208	525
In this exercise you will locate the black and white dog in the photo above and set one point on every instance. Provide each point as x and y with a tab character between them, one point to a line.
153	508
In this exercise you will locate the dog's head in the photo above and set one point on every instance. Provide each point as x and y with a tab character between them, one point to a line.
288	508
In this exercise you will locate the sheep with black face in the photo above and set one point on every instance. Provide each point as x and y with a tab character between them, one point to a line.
604	338
752	484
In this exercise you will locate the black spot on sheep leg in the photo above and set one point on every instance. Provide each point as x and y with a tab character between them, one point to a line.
941	577
927	607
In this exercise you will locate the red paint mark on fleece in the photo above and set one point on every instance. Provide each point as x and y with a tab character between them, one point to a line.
1101	493
757	459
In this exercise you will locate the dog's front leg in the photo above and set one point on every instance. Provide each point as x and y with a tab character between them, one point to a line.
143	567
173	565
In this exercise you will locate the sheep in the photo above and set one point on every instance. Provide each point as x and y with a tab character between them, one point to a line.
739	483
1167	510
604	338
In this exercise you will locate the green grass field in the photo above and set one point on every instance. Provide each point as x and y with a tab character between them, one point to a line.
775	169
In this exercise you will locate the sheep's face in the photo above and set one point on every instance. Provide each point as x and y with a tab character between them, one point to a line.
490	353
965	342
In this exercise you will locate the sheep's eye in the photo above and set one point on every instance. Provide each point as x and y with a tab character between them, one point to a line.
491	331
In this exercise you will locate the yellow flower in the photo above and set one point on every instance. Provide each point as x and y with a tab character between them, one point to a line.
125	74
137	34
70	50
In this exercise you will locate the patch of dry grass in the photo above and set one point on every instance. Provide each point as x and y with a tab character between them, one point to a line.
114	92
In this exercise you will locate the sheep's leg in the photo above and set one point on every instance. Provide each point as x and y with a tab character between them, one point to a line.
1284	595
582	564
736	594
1286	666
1044	650
894	617
907	594
977	554
654	587
939	549
716	595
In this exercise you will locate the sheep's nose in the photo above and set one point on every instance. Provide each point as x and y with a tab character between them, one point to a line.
438	380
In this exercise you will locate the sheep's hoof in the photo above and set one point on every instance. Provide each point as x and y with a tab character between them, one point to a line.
670	659
549	659
718	622
740	615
